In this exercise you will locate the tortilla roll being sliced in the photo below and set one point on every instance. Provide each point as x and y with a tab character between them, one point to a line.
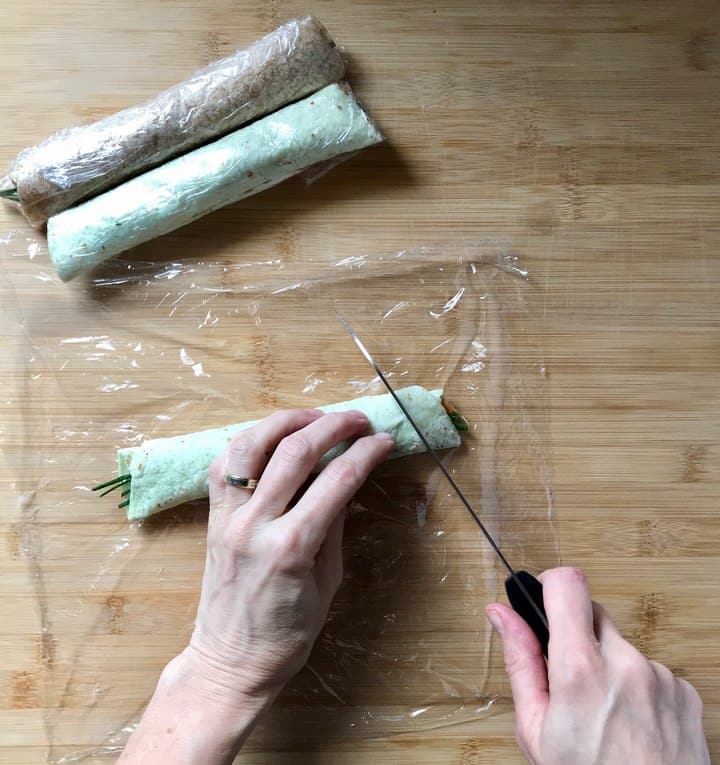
75	164
272	149
166	472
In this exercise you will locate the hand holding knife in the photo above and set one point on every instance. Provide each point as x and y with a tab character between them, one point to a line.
524	591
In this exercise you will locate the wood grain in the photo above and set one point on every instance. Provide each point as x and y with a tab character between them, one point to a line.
583	137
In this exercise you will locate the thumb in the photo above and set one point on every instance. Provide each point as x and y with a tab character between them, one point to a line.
525	665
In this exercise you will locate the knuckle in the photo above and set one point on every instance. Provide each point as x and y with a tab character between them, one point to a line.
243	444
583	664
567	574
691	695
684	687
660	672
335	418
282	415
338	421
291	542
234	538
636	664
295	448
288	547
636	673
649	677
344	472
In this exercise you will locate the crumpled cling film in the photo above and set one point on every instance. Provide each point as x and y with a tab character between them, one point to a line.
74	164
161	349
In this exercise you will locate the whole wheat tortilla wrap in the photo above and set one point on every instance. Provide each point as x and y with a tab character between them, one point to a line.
165	472
75	164
324	125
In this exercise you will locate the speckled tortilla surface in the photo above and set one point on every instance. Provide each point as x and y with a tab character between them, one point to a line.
169	471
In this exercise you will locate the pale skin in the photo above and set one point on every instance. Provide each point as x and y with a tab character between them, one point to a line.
274	564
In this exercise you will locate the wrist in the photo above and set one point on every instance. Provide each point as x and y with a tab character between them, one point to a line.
193	719
251	670
209	681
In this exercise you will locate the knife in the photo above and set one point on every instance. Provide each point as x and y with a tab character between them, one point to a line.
524	591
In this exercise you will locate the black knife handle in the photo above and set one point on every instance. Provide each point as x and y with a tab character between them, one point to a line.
519	602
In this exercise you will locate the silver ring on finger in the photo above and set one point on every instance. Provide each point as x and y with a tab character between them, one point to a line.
240	482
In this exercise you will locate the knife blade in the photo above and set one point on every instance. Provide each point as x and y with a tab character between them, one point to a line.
524	591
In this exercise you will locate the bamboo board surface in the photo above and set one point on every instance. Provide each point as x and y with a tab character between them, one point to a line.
582	137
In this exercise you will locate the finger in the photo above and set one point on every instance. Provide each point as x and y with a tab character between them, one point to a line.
338	483
526	668
329	560
569	613
297	455
248	452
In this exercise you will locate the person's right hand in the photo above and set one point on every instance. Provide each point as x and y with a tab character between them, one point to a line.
598	700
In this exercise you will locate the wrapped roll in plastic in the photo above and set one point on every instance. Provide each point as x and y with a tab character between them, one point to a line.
75	164
320	127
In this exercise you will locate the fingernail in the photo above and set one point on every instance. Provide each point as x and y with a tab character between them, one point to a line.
384	437
359	416
314	413
496	621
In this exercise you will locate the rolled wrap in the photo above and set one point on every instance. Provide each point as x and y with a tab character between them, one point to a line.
322	126
169	471
295	60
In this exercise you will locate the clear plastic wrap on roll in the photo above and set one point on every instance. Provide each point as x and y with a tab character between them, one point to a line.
327	124
75	164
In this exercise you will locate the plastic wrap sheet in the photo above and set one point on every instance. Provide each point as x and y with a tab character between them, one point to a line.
295	60
153	350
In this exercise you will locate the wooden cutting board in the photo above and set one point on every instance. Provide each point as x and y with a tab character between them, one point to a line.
581	138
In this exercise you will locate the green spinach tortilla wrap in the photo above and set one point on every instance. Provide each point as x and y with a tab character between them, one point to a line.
318	128
165	472
80	162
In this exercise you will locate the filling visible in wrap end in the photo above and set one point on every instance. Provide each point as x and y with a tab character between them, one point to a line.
165	472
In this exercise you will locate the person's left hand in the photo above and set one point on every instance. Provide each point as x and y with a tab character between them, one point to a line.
274	557
274	563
